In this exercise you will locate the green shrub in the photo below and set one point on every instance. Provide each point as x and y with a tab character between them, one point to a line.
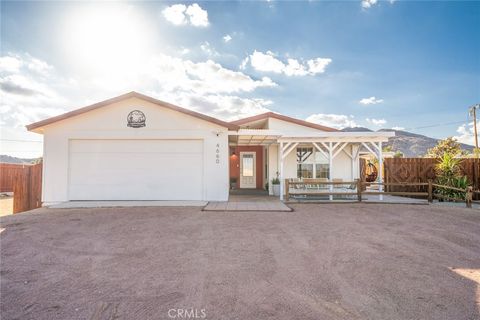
449	174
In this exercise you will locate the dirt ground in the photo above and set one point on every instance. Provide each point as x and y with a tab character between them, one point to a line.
322	261
6	206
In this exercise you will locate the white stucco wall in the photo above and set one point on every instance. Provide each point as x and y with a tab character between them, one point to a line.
289	128
272	164
110	122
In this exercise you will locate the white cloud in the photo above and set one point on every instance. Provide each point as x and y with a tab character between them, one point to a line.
180	14
371	100
212	77
466	134
27	90
398	128
376	122
225	107
227	38
244	63
38	65
338	121
10	64
268	62
198	16
368	3
175	14
318	65
208	49
184	51
172	73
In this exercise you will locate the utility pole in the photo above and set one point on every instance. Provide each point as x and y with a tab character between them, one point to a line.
473	112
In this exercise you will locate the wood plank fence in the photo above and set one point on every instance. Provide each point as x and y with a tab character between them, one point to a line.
7	175
25	181
420	170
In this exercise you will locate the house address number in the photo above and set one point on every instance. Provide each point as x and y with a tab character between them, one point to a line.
217	153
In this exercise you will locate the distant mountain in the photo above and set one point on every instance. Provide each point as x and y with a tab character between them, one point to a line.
356	129
410	144
9	159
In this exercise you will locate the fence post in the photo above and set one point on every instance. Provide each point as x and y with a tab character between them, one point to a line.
359	190
21	190
469	197
287	189
430	191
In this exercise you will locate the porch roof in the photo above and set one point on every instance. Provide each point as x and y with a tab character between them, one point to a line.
339	137
254	136
268	136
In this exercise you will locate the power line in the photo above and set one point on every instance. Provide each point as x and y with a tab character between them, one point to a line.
437	125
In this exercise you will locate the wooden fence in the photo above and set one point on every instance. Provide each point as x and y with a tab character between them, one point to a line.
25	181
420	170
7	175
355	190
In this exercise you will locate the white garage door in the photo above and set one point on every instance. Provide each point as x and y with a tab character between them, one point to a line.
136	170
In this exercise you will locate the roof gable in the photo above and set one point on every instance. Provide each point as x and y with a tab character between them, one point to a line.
104	103
283	118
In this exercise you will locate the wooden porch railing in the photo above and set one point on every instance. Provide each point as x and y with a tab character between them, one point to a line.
316	187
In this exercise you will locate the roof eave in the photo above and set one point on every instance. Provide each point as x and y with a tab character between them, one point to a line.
64	116
284	118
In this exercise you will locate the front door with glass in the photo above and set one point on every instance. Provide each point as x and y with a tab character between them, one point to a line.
248	170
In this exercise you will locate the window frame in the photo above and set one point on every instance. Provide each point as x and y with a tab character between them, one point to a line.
313	162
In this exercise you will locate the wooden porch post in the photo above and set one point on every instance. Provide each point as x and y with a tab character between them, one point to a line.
380	169
430	191
355	164
267	162
330	165
280	155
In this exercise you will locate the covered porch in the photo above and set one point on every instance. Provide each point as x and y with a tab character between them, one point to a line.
336	155
328	156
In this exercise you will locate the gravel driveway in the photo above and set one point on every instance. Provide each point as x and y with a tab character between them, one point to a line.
322	261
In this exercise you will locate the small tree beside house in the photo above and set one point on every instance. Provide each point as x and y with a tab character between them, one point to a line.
448	168
447	146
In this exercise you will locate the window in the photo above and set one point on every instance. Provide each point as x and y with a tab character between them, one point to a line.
304	163
304	170
321	171
311	163
321	166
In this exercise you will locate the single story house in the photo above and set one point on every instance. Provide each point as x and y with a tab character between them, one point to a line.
134	147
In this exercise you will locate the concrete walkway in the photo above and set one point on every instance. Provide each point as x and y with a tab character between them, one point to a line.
110	204
248	203
367	198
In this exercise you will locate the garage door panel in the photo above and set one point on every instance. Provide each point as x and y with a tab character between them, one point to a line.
143	175
136	146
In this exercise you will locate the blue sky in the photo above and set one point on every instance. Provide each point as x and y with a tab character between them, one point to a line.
400	64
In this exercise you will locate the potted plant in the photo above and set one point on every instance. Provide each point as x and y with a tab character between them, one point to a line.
233	183
276	187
